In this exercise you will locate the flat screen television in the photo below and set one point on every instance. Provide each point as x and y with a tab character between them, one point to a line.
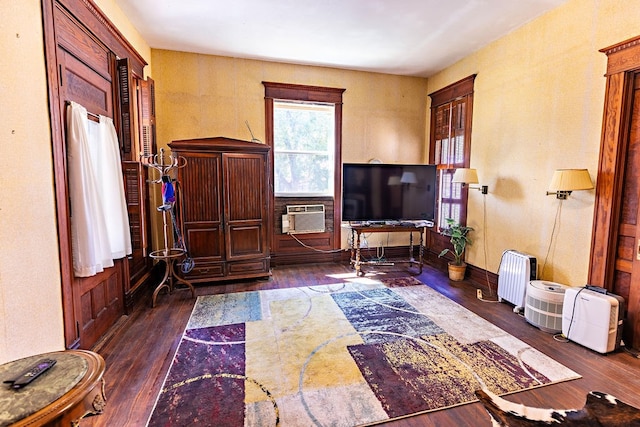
388	192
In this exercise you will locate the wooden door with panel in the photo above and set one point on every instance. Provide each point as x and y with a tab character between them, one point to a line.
626	267
97	300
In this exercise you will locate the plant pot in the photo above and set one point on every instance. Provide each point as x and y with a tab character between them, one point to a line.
456	272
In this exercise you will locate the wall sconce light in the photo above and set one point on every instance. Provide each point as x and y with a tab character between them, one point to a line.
564	181
467	176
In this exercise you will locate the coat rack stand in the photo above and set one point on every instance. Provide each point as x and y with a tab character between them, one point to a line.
165	165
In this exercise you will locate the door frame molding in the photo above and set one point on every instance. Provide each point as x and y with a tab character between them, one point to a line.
623	59
623	63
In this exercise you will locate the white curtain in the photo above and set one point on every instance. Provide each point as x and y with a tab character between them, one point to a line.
112	189
99	221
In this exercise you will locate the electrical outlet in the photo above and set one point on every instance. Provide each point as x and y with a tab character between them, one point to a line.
479	293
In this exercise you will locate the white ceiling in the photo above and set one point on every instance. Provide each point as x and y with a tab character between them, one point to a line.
405	37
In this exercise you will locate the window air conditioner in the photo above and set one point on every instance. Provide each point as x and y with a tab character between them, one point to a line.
303	219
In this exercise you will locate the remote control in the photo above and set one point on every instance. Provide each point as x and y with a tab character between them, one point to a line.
31	373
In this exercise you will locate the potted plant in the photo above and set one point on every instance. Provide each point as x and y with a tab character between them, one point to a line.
459	237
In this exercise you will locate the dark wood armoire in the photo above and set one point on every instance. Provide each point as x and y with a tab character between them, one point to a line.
224	194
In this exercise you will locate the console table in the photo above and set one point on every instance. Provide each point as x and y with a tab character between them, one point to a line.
357	230
70	390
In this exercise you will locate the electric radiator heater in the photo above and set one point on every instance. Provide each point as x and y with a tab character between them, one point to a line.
515	271
303	219
593	319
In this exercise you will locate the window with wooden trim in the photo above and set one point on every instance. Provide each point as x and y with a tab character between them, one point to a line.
323	100
451	111
303	149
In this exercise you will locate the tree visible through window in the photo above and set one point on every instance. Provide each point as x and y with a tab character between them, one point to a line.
303	148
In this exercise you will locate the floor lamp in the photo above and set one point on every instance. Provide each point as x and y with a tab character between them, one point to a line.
466	177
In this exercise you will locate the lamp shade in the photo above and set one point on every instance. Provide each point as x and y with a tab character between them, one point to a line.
408	178
465	176
570	180
394	180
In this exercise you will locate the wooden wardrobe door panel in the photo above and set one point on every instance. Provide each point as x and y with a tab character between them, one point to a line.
244	185
205	242
245	205
200	198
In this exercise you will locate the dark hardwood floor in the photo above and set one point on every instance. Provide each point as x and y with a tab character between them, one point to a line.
139	352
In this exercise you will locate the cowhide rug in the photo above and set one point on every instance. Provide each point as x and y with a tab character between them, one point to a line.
601	409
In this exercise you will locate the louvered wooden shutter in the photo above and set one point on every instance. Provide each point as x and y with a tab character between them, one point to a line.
147	116
135	188
125	83
450	134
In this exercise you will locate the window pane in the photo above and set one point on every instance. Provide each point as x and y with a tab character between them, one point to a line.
303	129
304	147
303	174
450	198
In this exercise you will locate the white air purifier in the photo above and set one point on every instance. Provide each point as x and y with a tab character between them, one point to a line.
593	319
543	307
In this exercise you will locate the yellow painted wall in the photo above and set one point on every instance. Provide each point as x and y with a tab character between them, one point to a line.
538	105
203	95
384	116
30	289
30	294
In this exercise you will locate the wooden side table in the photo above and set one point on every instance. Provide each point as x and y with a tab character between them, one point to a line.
70	390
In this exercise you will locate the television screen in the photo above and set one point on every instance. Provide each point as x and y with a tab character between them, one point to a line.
388	192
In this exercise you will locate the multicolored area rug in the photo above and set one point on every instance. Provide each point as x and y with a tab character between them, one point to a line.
358	352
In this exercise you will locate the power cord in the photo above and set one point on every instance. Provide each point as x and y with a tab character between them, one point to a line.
479	295
556	221
479	291
484	232
563	337
333	251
